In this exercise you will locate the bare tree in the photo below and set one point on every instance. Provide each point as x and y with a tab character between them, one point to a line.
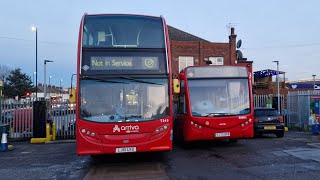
4	72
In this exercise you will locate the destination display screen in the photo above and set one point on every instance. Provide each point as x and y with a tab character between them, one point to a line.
123	62
217	72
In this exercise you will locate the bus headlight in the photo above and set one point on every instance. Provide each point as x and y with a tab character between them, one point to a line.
160	131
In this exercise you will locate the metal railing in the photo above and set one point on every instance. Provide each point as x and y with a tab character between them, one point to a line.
298	108
19	117
64	115
295	108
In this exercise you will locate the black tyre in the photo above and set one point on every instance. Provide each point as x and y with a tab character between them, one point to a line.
233	140
280	134
256	135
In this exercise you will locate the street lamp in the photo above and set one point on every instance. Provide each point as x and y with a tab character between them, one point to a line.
72	79
45	78
70	95
60	87
278	85
34	73
49	85
314	82
34	29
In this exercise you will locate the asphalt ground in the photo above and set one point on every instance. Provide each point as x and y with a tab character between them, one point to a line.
296	156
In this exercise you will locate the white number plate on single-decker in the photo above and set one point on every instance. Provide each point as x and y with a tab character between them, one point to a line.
224	134
126	149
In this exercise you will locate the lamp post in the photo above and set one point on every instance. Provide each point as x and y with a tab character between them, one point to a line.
278	85
44	84
72	79
34	73
49	85
60	87
314	82
34	29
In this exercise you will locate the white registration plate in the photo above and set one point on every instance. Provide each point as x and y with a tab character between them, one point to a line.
126	149
224	134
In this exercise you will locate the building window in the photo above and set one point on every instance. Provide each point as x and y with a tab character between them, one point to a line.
216	60
185	61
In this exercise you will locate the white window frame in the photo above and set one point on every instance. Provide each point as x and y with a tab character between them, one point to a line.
217	61
187	60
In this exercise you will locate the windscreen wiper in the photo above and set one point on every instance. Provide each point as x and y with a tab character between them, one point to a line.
219	114
85	113
138	80
133	116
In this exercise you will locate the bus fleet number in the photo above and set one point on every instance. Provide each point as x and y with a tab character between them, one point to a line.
165	120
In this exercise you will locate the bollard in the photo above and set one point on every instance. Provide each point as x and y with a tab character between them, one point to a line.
4	140
54	131
48	132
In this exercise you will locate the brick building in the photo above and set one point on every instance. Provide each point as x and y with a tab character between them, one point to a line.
190	50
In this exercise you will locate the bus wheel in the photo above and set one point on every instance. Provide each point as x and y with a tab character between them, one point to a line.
233	140
97	158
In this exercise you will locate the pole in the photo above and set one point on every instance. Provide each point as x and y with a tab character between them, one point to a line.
72	79
44	81
60	87
49	87
36	64
278	87
314	82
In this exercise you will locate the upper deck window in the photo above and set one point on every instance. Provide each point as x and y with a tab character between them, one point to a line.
122	31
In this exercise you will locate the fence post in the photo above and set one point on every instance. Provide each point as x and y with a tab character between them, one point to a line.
0	108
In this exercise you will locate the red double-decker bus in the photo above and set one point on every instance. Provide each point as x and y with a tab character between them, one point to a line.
215	102
124	96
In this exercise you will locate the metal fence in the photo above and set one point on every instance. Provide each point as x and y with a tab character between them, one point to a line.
19	117
271	99
295	108
298	109
64	115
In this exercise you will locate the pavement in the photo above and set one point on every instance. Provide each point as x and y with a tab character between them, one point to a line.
296	156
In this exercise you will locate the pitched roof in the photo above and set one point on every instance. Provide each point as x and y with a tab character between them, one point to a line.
179	35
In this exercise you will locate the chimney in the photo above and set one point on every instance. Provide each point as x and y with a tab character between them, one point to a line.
232	47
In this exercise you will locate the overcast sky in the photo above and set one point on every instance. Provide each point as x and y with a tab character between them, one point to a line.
287	31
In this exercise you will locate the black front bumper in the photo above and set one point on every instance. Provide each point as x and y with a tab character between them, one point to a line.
260	128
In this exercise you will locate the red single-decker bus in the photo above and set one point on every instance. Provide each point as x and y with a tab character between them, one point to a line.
215	102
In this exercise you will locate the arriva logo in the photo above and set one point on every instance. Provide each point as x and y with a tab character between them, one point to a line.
116	128
127	129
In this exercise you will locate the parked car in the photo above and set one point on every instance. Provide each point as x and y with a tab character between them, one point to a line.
62	109
268	120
